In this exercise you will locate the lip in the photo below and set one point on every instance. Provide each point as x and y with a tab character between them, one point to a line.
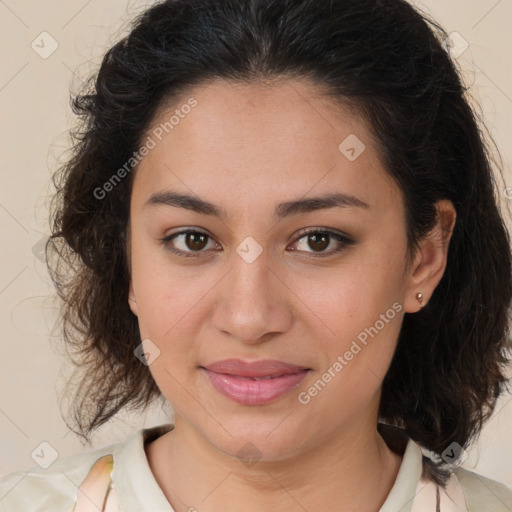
236	379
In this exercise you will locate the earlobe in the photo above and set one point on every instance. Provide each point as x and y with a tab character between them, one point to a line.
431	259
131	300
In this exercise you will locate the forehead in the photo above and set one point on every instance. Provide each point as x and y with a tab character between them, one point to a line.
262	141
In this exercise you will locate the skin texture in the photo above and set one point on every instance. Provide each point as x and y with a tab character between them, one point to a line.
247	148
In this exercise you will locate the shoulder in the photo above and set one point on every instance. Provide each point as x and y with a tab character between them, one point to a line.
483	494
55	488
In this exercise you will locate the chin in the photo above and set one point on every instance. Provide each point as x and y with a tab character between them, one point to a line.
256	439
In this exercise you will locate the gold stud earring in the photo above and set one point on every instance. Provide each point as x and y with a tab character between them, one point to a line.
419	296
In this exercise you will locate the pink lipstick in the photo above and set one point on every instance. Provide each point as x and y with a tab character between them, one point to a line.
254	383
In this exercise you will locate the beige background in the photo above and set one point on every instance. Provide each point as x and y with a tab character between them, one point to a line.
34	99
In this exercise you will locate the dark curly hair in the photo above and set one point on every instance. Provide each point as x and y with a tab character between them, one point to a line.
387	61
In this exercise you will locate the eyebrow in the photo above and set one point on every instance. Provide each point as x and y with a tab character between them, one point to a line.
284	209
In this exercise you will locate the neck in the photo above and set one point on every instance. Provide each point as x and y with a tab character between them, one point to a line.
355	467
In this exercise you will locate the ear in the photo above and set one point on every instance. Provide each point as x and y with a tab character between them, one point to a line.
131	299
430	260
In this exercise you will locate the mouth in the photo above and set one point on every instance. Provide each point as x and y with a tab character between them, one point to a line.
254	383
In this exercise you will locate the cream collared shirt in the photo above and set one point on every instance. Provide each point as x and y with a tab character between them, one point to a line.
117	478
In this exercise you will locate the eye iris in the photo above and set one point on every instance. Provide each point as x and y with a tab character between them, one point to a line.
322	239
192	241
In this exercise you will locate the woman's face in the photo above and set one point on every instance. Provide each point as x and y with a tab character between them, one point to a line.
255	286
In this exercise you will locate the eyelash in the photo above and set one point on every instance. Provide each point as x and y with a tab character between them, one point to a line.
343	240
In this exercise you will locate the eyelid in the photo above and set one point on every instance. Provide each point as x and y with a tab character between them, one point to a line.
342	238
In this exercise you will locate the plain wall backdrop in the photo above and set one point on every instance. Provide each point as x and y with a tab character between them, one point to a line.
48	49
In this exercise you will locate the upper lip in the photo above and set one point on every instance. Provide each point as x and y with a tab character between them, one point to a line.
262	368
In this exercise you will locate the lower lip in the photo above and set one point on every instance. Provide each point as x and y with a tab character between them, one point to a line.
247	391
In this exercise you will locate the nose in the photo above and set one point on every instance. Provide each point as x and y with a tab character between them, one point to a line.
255	303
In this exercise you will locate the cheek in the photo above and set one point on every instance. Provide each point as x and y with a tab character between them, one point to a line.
161	289
167	315
171	310
358	312
353	295
363	318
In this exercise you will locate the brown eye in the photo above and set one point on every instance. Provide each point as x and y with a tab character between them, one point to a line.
186	243
319	240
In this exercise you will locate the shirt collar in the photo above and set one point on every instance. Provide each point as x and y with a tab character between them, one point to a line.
403	492
136	486
138	490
